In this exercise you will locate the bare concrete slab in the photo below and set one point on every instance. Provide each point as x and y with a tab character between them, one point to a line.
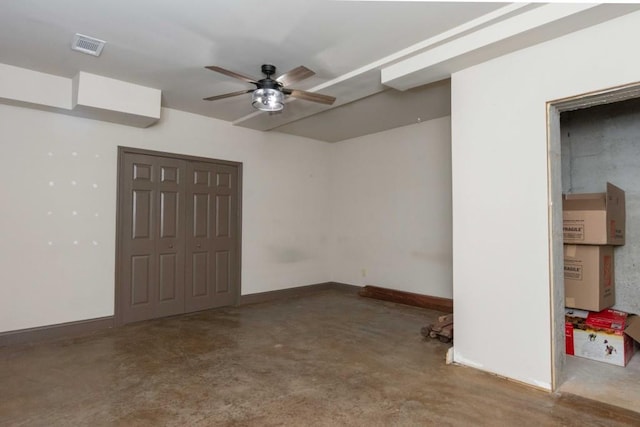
326	359
606	383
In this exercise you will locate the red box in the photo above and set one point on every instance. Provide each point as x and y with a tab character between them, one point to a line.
607	336
574	319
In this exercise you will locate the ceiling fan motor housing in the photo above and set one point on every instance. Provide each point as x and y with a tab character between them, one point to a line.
268	82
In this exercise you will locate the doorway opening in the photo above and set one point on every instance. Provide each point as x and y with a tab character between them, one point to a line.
571	374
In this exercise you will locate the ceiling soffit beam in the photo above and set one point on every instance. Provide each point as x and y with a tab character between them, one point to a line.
86	95
519	31
365	81
110	100
19	86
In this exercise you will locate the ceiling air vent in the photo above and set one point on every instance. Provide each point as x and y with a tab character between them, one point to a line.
86	44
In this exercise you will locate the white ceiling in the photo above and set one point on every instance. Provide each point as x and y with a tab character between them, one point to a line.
165	44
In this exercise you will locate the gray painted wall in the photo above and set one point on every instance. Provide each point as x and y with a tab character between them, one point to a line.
602	144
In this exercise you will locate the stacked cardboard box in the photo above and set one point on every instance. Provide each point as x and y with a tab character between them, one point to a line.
593	224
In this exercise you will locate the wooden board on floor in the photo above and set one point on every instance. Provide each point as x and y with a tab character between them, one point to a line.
408	298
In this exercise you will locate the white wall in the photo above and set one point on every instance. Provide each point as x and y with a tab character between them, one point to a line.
55	165
391	209
499	167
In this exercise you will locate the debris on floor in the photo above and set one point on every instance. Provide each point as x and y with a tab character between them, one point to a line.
443	329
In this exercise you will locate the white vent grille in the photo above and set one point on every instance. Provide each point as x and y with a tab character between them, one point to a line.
86	44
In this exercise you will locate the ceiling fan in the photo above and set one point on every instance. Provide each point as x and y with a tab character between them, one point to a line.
269	93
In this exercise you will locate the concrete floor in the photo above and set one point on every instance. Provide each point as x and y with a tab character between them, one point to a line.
327	359
599	381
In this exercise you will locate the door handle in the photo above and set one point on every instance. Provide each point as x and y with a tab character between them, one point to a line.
198	245
170	246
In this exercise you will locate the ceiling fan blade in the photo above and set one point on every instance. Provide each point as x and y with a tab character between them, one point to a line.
313	97
227	95
231	74
295	75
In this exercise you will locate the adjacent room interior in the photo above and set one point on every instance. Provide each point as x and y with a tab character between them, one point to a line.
598	138
430	164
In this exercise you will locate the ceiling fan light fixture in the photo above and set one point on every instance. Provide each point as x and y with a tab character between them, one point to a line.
267	99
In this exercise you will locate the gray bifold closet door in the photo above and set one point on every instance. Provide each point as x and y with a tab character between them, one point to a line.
178	236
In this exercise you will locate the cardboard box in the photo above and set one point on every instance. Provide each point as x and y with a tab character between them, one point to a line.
608	336
594	218
589	281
